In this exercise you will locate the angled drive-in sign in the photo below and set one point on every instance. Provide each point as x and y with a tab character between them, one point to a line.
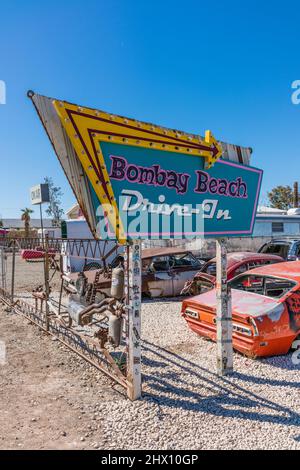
145	181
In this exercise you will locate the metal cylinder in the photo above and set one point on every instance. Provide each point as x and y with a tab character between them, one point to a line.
115	330
81	283
117	283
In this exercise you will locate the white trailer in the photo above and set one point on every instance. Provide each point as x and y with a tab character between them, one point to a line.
81	251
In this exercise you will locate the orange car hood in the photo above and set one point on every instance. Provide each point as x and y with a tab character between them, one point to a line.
243	303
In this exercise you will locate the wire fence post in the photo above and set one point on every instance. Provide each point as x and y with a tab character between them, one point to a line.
13	270
47	286
133	268
3	269
224	315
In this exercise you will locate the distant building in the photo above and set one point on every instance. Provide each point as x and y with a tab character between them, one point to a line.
74	212
270	210
272	222
18	224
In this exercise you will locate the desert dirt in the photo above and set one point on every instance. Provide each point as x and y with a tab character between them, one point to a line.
50	398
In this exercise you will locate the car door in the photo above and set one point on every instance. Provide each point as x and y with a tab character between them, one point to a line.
158	281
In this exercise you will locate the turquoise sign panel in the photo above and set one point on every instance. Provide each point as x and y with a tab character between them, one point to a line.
163	194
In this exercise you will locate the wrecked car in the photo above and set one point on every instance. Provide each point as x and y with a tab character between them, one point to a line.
237	263
288	248
164	272
265	310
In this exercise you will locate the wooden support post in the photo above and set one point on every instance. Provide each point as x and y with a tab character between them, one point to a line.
224	316
133	331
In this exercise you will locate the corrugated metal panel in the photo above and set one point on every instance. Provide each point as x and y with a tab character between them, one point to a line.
71	163
236	153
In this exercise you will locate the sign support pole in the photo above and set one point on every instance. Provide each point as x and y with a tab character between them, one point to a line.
42	226
224	315
133	330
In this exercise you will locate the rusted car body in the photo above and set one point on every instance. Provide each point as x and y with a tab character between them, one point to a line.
265	310
36	254
237	263
164	272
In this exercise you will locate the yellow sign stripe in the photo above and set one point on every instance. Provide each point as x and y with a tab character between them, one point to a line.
86	128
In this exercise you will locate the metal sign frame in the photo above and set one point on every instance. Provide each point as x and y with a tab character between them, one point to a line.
87	127
74	171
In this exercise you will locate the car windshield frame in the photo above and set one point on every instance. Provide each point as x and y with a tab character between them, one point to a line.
285	247
195	263
265	277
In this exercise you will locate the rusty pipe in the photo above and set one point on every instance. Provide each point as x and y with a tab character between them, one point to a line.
109	301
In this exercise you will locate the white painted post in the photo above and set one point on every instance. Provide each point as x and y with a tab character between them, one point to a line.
224	315
134	273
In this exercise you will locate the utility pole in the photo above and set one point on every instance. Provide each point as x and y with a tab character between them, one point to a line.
296	195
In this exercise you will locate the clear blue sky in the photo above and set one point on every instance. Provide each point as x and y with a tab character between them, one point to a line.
192	65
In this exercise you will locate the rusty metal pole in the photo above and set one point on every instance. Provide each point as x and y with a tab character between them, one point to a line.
47	287
42	225
3	269
12	293
133	273
224	315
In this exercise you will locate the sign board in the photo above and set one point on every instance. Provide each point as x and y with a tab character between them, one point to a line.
145	181
39	194
160	196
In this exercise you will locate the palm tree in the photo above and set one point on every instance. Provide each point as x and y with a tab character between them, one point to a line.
26	219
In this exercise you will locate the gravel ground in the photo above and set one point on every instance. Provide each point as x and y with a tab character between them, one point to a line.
28	274
50	398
